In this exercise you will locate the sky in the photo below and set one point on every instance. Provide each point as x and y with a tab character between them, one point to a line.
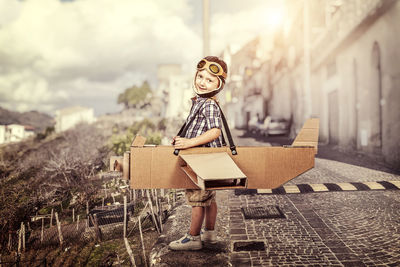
58	53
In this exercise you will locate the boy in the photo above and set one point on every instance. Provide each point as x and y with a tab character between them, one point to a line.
203	130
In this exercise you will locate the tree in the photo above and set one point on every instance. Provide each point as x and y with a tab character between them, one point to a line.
136	97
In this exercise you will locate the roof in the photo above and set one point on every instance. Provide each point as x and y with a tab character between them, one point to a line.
29	128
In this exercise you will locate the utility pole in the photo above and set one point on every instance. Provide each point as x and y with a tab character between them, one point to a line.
206	24
307	64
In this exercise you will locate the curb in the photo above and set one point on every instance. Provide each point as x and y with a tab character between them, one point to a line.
324	187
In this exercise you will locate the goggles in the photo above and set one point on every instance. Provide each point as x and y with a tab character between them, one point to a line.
212	67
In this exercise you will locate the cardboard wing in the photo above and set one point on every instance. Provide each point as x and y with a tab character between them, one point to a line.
264	167
213	171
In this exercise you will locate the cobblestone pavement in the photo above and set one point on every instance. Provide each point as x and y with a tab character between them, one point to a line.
335	228
178	224
352	228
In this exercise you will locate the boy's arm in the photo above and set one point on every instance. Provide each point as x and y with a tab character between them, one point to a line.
210	135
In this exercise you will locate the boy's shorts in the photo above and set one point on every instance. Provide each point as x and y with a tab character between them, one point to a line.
200	198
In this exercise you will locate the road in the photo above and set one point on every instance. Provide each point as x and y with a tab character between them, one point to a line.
341	228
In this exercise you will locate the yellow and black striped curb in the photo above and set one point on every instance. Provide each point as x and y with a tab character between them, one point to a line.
325	187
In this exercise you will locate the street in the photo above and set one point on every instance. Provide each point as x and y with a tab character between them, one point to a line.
349	227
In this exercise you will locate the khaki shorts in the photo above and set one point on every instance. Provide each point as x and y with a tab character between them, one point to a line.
200	198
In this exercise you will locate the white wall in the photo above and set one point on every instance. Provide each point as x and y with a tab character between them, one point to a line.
357	85
2	134
16	132
180	92
67	121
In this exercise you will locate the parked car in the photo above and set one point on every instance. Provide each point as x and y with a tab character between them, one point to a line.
253	125
263	127
275	126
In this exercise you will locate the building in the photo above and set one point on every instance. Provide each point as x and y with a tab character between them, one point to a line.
2	134
247	92
29	131
344	69
68	117
15	133
175	88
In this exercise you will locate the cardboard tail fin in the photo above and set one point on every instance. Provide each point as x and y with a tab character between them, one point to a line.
308	136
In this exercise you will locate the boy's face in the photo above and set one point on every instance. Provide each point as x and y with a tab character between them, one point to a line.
206	82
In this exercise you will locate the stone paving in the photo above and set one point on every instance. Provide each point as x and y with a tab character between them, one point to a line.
178	224
335	228
350	228
329	171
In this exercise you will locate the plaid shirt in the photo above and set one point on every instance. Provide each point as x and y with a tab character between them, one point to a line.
207	117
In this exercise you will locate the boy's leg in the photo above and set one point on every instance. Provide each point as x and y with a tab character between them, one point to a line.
197	220
198	199
211	216
192	240
209	234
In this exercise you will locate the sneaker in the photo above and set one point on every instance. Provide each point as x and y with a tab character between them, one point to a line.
187	242
208	236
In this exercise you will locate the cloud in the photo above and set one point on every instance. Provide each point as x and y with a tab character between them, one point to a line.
56	53
59	53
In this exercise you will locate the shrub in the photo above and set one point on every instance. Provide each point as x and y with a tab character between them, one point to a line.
120	142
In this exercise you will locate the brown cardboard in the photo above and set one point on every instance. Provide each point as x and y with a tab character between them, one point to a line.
116	163
265	167
213	171
138	141
126	171
308	136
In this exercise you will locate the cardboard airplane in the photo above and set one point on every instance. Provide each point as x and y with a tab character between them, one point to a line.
150	166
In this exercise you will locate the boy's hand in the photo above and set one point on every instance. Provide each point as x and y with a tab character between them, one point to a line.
182	143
